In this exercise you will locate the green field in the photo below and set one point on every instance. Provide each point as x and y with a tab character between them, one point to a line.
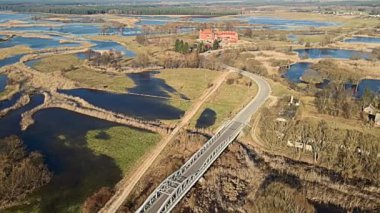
74	69
189	82
125	145
226	102
11	51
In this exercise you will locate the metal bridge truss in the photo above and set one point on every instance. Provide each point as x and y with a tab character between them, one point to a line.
176	185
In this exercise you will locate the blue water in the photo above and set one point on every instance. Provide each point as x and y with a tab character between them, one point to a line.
10	124
331	53
293	38
296	71
278	23
5	17
206	119
10	60
136	106
359	39
108	45
35	43
3	82
10	102
31	63
75	29
60	136
154	20
372	84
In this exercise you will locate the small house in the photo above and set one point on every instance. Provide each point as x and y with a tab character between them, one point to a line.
370	110
377	120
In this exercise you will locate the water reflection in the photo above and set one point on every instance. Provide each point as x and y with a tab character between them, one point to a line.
331	53
142	107
207	119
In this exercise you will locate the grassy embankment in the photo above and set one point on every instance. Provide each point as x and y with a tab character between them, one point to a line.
228	100
73	68
124	145
9	91
130	42
11	51
188	82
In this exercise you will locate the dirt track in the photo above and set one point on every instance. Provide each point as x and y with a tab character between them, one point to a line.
128	183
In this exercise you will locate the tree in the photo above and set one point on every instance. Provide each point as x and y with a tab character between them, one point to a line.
20	172
216	44
141	60
95	202
177	45
141	39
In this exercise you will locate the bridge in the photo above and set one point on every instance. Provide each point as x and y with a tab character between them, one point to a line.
165	197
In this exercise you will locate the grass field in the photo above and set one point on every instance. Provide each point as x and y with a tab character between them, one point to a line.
9	91
57	63
11	51
189	82
129	42
227	101
84	75
89	78
123	144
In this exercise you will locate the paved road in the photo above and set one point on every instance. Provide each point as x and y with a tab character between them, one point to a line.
172	189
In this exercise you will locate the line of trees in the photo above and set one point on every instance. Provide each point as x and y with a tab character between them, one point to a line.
111	58
354	154
336	99
21	172
181	46
117	9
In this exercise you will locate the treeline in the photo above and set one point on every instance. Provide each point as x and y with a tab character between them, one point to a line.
338	97
354	154
119	9
243	60
111	58
20	172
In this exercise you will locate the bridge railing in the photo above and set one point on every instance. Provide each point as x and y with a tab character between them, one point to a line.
185	186
165	184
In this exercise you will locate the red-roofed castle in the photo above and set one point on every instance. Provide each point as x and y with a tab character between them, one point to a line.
212	35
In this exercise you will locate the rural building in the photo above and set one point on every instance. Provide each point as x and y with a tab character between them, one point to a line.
377	120
210	35
370	110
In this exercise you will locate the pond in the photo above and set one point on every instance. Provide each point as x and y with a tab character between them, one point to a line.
151	20
372	85
292	37
36	43
79	29
10	60
149	108
5	17
362	39
278	23
78	172
295	72
108	45
316	53
207	119
9	102
3	82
